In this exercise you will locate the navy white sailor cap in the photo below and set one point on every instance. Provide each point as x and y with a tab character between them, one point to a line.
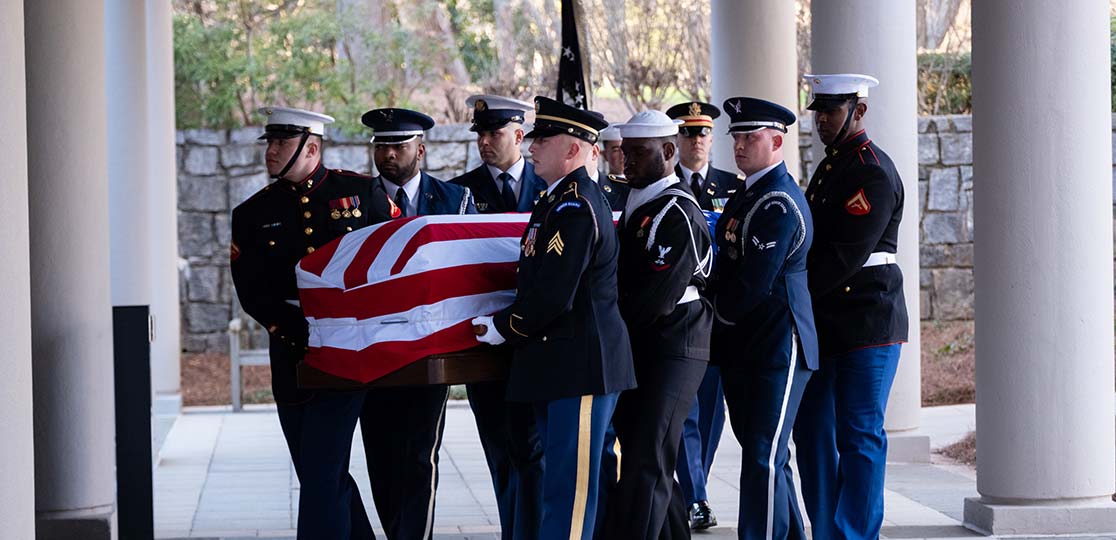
749	114
611	133
832	90
287	122
649	124
392	125
494	112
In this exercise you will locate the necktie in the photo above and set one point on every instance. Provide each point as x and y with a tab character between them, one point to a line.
696	185
508	193
401	200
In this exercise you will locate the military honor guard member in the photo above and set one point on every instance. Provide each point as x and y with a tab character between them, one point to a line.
712	187
613	184
402	427
763	332
856	197
572	356
306	207
610	148
505	182
665	259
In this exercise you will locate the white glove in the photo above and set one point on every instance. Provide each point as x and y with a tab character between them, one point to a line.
486	331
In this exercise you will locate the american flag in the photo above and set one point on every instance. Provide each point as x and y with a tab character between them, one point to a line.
382	297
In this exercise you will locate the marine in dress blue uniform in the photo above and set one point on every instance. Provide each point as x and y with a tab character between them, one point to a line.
505	182
666	257
712	187
763	334
307	207
402	427
572	356
856	197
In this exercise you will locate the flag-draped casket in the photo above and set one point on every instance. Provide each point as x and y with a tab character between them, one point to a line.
382	297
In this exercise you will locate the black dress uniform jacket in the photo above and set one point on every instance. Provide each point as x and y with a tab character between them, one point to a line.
437	197
856	197
275	228
665	248
760	287
487	195
615	189
717	184
565	325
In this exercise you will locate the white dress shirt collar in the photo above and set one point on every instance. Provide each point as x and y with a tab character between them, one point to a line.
753	178
411	188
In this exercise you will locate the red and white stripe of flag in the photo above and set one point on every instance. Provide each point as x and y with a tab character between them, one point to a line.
385	296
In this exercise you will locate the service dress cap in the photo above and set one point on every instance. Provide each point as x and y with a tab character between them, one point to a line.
494	112
830	91
556	118
611	134
753	114
395	126
288	122
696	116
649	125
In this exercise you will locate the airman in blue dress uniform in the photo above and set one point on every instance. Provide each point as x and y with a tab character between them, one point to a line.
402	427
505	182
572	356
763	333
307	207
856	197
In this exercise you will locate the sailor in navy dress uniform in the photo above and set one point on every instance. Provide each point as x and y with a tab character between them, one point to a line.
572	356
613	184
665	259
402	427
712	188
610	149
763	333
856	197
307	207
505	182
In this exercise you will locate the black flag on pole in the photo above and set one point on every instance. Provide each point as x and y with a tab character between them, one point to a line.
571	68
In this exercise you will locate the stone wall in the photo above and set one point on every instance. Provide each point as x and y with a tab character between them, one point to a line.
219	169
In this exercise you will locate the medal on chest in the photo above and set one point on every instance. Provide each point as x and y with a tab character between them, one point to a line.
730	230
529	241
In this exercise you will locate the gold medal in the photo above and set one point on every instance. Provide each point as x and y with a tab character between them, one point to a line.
347	214
356	212
335	214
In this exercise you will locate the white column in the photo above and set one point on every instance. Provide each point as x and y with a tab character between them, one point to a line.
17	453
877	37
163	208
754	54
71	315
129	204
1043	247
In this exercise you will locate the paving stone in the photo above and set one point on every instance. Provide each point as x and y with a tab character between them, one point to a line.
195	234
927	148
957	148
953	294
943	228
204	284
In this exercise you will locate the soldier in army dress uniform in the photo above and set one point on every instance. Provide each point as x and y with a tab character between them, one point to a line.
306	207
572	356
856	197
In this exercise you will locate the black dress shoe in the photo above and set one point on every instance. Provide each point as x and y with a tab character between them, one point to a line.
701	516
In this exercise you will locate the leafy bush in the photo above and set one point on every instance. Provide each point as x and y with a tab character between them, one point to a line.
945	83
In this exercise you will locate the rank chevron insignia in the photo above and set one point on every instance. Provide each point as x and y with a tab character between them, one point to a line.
556	244
858	205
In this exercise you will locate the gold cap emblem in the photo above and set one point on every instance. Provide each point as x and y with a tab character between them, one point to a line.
695	109
480	106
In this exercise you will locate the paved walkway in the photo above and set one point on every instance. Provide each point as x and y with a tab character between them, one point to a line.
228	476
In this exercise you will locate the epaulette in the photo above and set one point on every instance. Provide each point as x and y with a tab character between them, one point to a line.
870	157
617	179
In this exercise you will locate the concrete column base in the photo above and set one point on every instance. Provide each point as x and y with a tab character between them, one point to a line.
908	447
167	404
1091	516
88	526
